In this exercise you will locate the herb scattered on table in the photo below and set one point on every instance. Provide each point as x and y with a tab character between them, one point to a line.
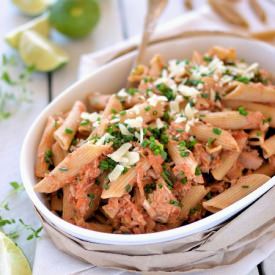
13	86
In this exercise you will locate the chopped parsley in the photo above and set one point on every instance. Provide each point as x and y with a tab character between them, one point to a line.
175	203
245	186
205	95
267	120
147	108
166	91
167	176
166	116
84	122
63	169
258	134
123	113
156	147
48	157
198	171
91	197
149	188
210	141
183	180
208	196
242	111
194	210
106	186
107	164
128	188
68	131
217	131
242	79
193	82
131	91
207	58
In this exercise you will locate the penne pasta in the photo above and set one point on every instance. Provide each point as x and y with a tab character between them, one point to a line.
58	153
252	92
68	212
69	167
44	152
97	101
269	147
65	134
119	187
267	110
244	186
223	53
205	132
192	198
256	137
234	120
113	105
186	164
56	202
266	169
228	158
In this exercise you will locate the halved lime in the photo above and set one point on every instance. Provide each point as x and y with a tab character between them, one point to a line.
40	24
38	51
12	259
74	18
32	7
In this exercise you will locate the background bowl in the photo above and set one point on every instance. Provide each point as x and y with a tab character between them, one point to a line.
109	79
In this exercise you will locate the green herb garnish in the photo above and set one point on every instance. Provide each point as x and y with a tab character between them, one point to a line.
242	111
217	131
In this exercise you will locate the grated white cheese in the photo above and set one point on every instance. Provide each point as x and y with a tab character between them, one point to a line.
130	158
93	117
122	93
159	123
188	91
190	111
102	140
115	174
134	122
180	118
120	152
155	99
123	129
176	68
190	123
174	106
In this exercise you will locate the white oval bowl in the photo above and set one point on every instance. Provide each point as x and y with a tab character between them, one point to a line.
109	79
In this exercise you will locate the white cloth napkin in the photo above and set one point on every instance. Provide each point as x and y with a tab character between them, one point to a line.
48	259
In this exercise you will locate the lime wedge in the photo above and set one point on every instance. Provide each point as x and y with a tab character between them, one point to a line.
40	24
38	51
32	7
12	259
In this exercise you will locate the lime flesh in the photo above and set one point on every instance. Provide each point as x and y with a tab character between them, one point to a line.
75	18
38	51
32	7
12	259
40	25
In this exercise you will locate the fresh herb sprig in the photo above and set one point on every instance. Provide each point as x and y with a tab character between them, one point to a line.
14	90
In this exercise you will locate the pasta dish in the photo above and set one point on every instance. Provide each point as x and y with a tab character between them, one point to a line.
188	138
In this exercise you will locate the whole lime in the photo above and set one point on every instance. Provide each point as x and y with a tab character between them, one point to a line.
74	18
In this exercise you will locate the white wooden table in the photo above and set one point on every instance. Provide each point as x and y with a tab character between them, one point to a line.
120	19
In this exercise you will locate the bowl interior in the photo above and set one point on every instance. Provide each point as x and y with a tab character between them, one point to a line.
109	79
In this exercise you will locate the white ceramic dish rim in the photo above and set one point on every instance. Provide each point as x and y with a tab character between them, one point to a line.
120	239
